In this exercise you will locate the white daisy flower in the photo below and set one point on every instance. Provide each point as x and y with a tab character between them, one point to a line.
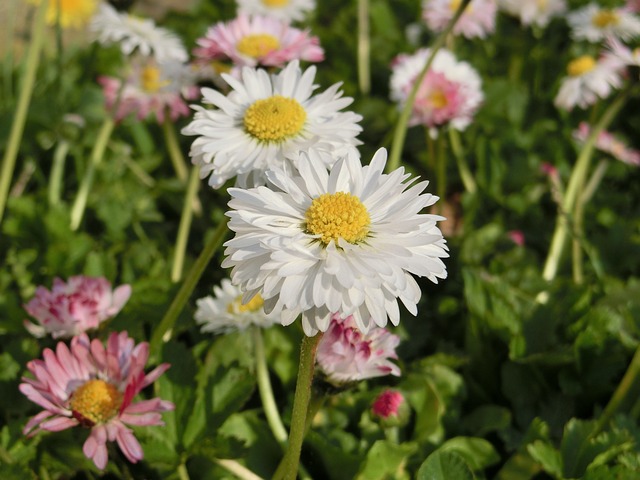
135	33
594	23
288	10
225	312
618	50
589	80
267	119
342	242
534	12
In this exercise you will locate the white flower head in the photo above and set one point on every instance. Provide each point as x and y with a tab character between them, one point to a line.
477	20
288	10
136	34
594	23
450	92
588	80
346	241
225	313
534	12
267	119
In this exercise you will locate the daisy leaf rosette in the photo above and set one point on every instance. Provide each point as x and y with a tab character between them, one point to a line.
265	120
345	241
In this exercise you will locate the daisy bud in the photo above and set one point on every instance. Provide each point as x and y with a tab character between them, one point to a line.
391	409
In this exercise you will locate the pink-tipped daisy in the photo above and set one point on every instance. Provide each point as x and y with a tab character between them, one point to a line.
477	20
258	41
450	93
92	386
610	144
346	355
151	88
75	306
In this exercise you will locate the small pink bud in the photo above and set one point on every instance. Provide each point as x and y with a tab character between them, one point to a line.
517	237
390	408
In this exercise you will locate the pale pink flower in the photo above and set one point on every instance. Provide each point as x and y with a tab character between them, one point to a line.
93	386
74	307
609	143
450	93
477	20
620	52
151	88
345	354
258	41
633	5
534	12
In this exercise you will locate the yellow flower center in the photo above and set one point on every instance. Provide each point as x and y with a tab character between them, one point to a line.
542	4
275	3
96	400
150	79
605	18
338	215
438	99
581	65
70	13
274	119
454	5
258	45
252	305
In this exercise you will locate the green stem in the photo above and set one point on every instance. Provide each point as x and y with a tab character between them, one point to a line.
183	473
175	154
189	284
441	174
185	224
364	47
465	173
266	392
392	434
57	171
315	404
576	182
401	127
595	180
20	116
80	203
240	471
620	393
288	467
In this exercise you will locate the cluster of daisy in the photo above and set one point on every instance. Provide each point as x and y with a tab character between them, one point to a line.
88	383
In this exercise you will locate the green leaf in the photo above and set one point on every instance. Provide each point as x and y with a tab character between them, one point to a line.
487	418
478	453
443	465
547	456
386	460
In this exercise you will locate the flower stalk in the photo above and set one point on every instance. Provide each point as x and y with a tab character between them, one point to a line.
288	468
20	116
193	276
57	172
185	224
400	132
575	186
364	48
173	147
97	154
463	169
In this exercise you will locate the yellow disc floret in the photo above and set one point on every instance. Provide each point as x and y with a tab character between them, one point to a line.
150	79
70	13
258	45
438	99
96	400
338	215
605	18
274	119
581	65
253	305
275	3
